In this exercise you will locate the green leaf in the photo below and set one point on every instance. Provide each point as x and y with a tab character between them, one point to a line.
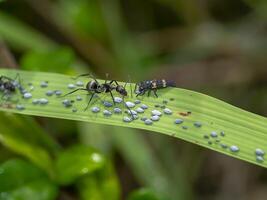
30	130
84	16
21	180
145	194
97	139
22	36
28	140
260	7
141	160
62	58
76	162
92	172
242	129
102	184
5	154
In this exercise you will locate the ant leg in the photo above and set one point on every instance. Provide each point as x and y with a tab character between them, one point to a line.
148	94
135	88
131	90
89	101
138	95
125	89
129	110
74	92
141	93
3	97
112	98
3	100
155	93
114	82
129	81
17	77
19	82
5	77
6	97
125	85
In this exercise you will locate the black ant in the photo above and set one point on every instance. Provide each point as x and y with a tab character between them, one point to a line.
95	87
9	85
152	85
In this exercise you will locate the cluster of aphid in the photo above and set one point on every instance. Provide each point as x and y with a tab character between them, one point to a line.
94	87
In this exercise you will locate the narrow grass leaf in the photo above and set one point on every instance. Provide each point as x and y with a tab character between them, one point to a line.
191	116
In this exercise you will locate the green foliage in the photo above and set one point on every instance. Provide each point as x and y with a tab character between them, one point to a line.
35	145
103	184
84	16
56	60
260	6
145	194
91	171
76	162
21	36
142	160
22	180
79	165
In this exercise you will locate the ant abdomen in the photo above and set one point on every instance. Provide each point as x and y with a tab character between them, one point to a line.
120	89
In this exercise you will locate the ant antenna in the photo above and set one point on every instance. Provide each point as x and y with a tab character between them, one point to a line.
135	87
19	82
72	92
107	75
129	80
84	75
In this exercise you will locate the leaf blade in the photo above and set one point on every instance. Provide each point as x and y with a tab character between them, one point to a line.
16	184
243	129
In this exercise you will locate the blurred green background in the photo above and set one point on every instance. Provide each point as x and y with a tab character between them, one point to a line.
218	47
